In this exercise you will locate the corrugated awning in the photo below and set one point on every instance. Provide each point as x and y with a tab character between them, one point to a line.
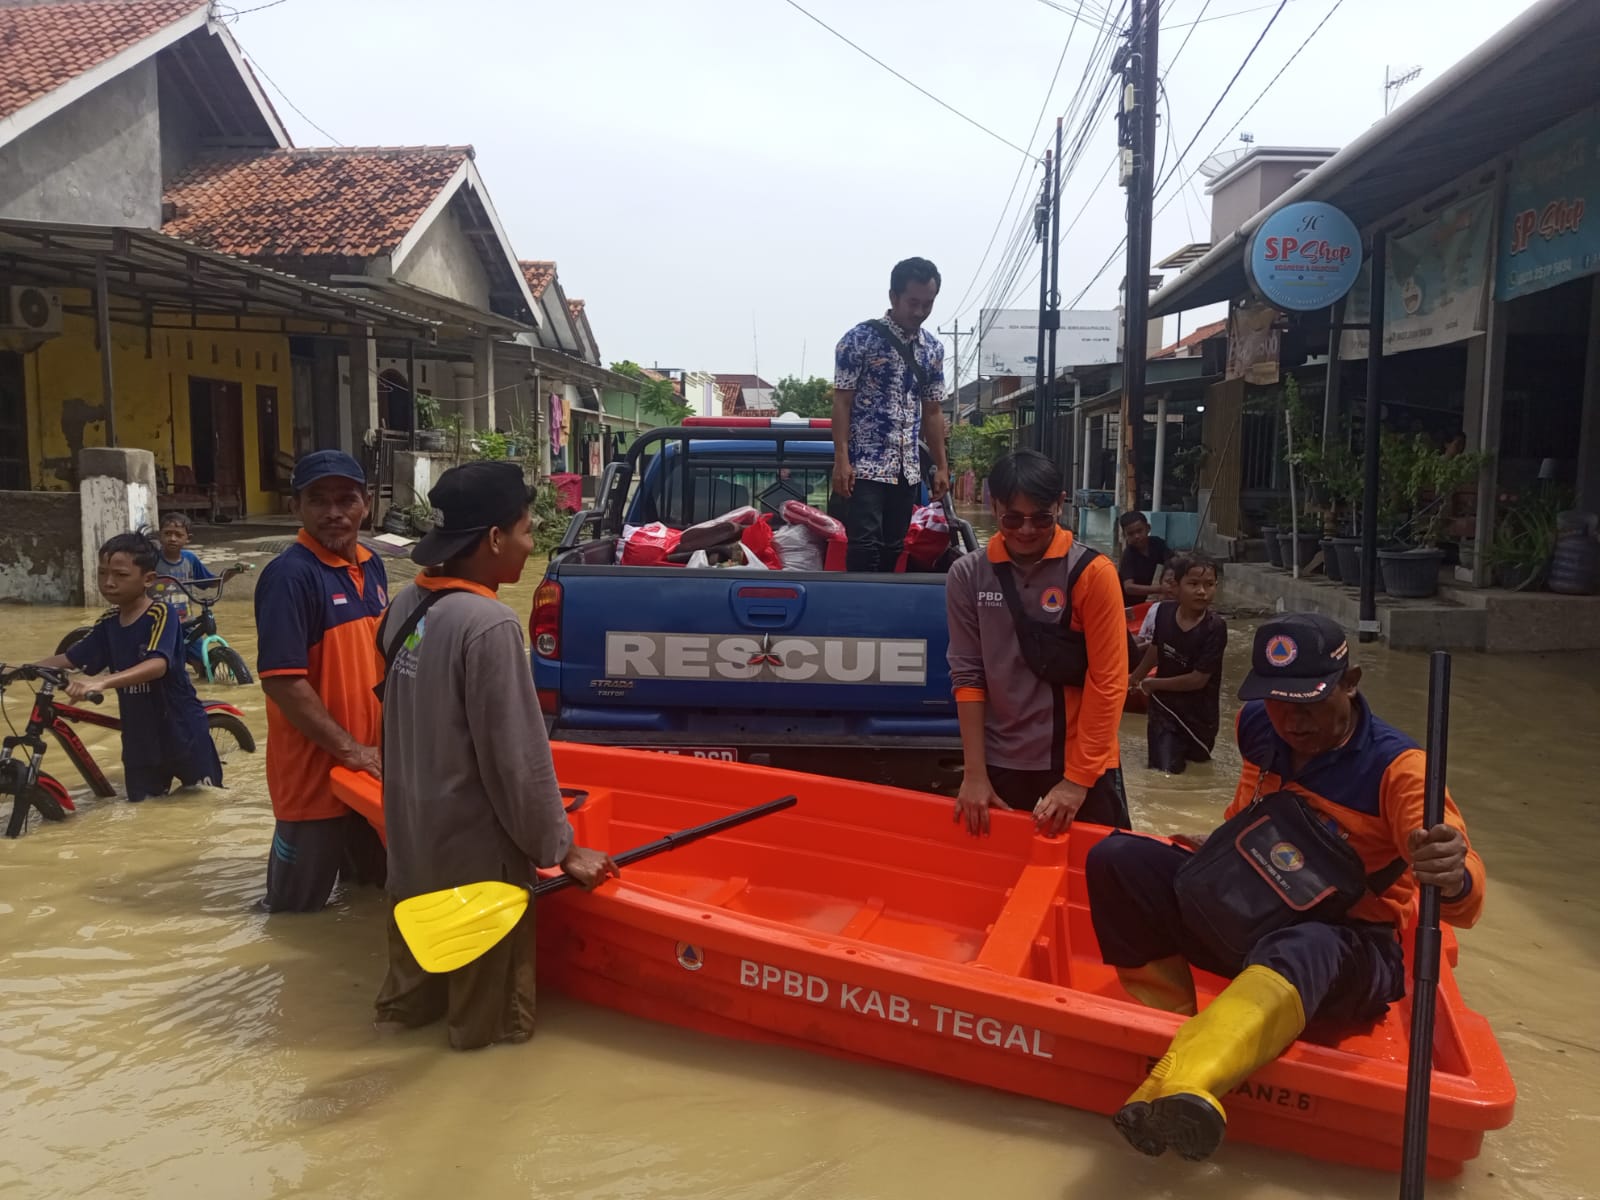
1535	72
162	274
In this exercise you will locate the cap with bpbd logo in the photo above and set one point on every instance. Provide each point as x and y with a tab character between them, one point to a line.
1299	658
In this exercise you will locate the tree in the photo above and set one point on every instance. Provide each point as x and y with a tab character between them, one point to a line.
657	398
804	397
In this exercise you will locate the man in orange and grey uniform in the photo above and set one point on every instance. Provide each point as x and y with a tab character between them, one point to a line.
1308	731
317	610
1034	609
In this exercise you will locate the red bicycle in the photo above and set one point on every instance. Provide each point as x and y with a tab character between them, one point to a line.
30	787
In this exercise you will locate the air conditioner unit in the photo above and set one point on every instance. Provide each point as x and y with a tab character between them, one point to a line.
31	309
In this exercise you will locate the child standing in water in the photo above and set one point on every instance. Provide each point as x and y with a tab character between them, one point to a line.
177	561
1185	654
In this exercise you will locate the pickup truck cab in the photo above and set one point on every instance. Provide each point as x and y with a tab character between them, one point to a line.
821	671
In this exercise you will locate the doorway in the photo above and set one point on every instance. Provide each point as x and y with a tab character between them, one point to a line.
216	440
394	401
13	424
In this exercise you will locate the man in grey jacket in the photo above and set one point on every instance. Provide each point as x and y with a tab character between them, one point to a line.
469	788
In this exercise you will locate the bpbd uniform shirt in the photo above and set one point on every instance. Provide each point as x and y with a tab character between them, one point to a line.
163	721
317	616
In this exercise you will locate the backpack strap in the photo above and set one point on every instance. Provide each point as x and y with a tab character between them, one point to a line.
906	352
1008	588
407	628
1380	882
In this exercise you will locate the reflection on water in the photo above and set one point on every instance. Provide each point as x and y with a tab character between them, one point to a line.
161	1038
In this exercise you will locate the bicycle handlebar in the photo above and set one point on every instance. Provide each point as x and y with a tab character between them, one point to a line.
221	583
55	677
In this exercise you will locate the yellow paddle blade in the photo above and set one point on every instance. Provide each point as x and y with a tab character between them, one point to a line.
449	929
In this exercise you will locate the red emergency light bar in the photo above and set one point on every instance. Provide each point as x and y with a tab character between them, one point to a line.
757	422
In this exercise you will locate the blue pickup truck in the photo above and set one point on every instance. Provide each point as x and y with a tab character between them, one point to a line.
820	671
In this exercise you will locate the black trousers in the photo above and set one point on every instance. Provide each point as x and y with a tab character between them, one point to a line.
1106	804
1346	972
876	517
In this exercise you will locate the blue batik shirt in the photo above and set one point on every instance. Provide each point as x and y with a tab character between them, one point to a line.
163	721
886	417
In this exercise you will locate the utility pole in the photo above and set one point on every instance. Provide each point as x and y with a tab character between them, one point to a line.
1138	138
1053	317
1041	233
955	372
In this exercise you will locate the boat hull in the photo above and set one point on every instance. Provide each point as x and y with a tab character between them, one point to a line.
864	924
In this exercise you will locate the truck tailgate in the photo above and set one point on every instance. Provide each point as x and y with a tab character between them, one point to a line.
744	653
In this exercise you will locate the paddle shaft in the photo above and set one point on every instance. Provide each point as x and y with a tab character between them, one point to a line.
672	841
1425	956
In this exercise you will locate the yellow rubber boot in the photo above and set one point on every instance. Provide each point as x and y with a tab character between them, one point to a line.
1167	984
1253	1021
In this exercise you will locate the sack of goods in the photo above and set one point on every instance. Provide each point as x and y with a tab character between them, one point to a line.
928	538
809	540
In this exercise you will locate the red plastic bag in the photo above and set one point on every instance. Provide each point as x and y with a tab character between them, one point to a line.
648	545
757	539
796	513
928	537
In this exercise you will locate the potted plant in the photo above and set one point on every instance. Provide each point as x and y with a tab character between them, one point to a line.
1419	484
1524	541
430	436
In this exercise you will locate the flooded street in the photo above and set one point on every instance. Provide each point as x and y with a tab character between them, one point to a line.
161	1038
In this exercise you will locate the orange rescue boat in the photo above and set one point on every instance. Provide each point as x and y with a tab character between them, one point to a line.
864	923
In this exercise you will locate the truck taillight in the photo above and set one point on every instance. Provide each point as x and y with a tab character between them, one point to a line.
544	627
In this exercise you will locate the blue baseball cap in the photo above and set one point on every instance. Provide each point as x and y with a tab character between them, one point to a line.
1299	657
325	464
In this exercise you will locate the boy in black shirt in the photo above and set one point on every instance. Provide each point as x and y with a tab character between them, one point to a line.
164	730
1186	655
1143	558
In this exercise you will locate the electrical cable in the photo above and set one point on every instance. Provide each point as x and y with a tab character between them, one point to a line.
950	108
255	66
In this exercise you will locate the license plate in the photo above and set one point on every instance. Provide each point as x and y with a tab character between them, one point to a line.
718	753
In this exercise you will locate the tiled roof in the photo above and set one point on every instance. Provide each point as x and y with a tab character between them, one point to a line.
1204	333
43	46
749	381
356	202
538	274
575	307
730	397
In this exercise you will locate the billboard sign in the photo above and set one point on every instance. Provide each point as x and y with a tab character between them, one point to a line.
1010	340
1551	230
1304	257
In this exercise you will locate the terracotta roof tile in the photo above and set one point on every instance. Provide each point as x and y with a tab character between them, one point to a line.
355	202
744	381
43	46
575	307
1204	333
538	274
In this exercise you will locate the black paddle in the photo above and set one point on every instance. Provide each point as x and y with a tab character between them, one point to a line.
672	841
1425	956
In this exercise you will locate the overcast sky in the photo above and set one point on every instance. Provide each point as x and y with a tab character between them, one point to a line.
722	179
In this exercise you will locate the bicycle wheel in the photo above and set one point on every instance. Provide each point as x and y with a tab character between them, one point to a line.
229	735
47	796
228	666
73	638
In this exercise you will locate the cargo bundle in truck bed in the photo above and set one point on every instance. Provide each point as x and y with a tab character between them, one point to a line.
823	671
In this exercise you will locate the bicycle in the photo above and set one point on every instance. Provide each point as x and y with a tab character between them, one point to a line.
205	650
30	787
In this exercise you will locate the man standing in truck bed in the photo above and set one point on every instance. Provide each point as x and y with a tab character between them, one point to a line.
888	380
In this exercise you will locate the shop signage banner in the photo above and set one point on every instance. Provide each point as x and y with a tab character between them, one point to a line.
1438	275
1551	230
1253	344
1010	338
1304	257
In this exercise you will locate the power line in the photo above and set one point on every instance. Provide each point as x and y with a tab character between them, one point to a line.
233	14
969	120
1282	4
255	66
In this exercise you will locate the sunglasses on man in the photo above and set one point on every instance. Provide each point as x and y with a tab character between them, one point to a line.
1035	520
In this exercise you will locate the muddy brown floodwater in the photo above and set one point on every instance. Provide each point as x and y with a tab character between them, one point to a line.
159	1038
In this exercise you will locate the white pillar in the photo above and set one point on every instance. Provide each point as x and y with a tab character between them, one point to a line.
117	494
1161	453
483	382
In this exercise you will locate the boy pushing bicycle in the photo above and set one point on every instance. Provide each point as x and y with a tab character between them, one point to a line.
165	735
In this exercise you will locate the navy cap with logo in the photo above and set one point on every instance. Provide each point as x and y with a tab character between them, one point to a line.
1299	658
325	464
468	501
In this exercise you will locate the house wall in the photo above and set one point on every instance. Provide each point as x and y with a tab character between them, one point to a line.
97	161
445	262
40	558
180	130
66	413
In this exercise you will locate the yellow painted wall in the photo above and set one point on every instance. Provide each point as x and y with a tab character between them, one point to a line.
65	412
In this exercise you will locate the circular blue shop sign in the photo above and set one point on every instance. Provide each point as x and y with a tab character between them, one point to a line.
1304	257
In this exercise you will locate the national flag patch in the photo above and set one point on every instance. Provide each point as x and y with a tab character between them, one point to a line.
339	598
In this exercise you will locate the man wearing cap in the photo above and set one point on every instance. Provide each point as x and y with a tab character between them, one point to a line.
1308	739
317	610
470	791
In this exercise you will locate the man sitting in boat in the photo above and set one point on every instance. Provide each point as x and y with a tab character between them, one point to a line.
1275	898
1039	661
